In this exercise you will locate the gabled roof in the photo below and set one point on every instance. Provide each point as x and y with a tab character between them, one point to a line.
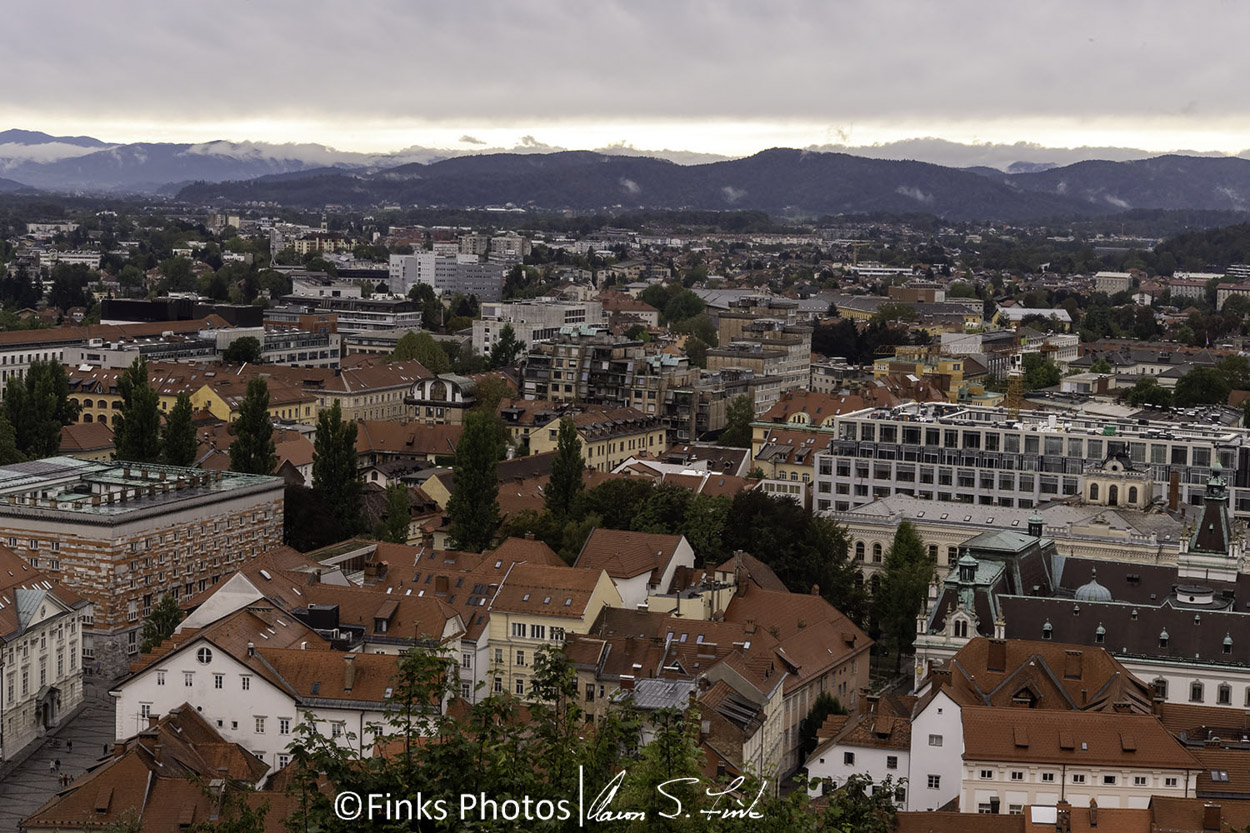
1045	675
162	773
624	554
538	589
86	436
22	589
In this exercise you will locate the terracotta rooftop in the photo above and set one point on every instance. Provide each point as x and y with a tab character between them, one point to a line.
624	554
1078	738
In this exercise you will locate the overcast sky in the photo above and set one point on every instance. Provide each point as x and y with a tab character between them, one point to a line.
715	76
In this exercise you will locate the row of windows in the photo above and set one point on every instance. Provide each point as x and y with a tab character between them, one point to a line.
219	680
1077	778
1010	443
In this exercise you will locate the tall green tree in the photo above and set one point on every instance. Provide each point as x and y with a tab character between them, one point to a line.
905	576
159	625
474	505
244	349
1148	391
178	444
137	431
1040	372
423	348
253	450
336	477
9	452
567	470
38	406
395	522
507	348
1201	386
738	418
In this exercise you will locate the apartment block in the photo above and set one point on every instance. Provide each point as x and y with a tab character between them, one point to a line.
536	320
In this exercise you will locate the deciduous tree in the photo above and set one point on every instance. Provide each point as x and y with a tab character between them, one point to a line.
159	625
136	434
738	418
178	443
336	476
474	505
905	577
253	451
567	471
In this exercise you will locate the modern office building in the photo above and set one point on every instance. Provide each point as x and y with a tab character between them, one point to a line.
963	454
532	321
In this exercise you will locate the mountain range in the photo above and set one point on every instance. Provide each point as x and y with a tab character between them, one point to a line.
778	181
535	175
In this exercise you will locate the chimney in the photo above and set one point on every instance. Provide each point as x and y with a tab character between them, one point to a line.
1072	665
529	536
627	682
158	752
1211	817
119	748
152	720
1063	817
251	649
349	671
1174	490
996	659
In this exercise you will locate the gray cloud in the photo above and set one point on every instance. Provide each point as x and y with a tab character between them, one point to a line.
1151	64
471	140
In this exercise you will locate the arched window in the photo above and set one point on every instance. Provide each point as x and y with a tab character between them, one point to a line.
876	553
859	550
116	419
961	628
86	417
1161	688
1132	495
875	583
1093	491
87	403
1195	692
1224	695
1113	495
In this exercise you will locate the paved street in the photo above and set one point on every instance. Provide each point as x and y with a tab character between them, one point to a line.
25	789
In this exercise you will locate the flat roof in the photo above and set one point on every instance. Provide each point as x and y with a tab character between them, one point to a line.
114	492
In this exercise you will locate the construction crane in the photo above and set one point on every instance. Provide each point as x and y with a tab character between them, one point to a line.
1015	375
855	247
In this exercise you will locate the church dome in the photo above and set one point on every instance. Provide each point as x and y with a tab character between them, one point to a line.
1093	591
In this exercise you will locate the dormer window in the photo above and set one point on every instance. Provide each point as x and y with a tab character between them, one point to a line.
1163	639
1047	630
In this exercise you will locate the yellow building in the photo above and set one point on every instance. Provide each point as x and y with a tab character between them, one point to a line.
916	362
537	606
368	389
609	436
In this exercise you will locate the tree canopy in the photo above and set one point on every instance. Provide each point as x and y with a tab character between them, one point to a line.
245	349
37	406
738	418
336	478
567	471
136	434
178	443
253	450
474	507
